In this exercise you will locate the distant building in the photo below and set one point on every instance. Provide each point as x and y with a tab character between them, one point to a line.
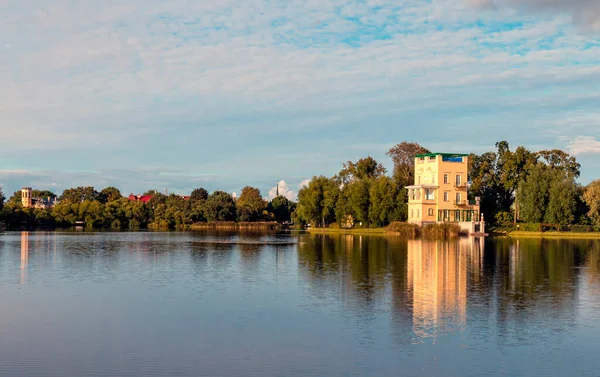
28	201
147	198
140	198
440	192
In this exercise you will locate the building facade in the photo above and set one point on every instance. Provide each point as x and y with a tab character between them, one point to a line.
28	201
440	190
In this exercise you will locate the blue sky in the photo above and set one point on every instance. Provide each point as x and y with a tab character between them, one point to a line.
223	94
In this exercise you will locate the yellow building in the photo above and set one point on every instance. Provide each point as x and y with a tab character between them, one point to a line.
439	193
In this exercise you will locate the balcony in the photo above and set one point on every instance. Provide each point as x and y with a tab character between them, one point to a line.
460	186
460	203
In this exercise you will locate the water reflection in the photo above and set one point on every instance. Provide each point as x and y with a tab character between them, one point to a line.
24	256
435	286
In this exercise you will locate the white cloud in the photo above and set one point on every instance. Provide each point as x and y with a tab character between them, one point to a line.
584	12
584	145
284	190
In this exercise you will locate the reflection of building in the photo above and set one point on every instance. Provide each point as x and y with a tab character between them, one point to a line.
437	281
24	256
28	201
439	193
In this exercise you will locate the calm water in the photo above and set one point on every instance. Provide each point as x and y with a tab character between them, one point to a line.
198	304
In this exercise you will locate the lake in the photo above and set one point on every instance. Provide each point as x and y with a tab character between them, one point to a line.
235	304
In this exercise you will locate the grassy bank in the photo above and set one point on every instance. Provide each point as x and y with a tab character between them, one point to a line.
236	226
525	234
355	231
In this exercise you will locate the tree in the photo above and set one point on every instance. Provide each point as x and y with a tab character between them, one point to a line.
79	194
2	198
364	168
558	159
42	194
220	207
358	200
109	194
591	196
403	156
317	201
250	204
383	201
534	193
199	195
282	208
562	198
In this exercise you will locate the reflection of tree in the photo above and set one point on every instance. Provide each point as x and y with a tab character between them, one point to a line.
592	265
355	265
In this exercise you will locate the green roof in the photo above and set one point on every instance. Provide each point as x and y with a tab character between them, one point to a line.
447	155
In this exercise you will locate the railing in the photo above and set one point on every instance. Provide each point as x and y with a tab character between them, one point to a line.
460	186
460	203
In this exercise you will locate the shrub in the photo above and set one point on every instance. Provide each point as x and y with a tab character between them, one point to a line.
504	218
403	229
441	230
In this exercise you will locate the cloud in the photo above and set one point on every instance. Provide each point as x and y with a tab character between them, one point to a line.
584	145
584	12
284	190
237	86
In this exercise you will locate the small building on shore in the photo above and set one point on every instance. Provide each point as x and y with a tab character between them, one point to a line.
28	201
440	193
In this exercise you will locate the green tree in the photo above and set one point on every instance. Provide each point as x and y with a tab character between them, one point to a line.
2	199
358	200
364	168
79	194
534	193
220	206
591	197
282	209
403	156
562	198
250	204
317	201
383	201
42	194
109	194
199	195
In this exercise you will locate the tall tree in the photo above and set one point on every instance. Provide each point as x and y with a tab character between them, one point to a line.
591	196
220	206
199	195
250	204
382	195
79	194
364	168
282	208
403	156
109	194
317	201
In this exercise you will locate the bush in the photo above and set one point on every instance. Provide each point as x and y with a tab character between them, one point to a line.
441	230
403	229
504	218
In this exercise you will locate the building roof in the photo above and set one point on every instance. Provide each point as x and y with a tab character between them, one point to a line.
446	155
141	198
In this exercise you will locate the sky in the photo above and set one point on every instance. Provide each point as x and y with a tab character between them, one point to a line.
180	94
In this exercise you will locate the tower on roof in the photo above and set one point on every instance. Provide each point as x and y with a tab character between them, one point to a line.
26	197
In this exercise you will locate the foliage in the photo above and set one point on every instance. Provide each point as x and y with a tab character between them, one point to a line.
250	204
282	209
591	197
403	156
109	194
504	217
79	194
362	169
220	207
199	195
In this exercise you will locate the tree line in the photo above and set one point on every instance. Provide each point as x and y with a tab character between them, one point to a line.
514	186
109	209
517	185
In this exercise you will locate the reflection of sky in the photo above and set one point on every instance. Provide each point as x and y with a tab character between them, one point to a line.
143	303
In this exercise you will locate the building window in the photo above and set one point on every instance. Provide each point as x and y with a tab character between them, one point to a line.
458	179
429	194
446	179
446	194
430	211
418	214
433	179
458	198
412	213
419	180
